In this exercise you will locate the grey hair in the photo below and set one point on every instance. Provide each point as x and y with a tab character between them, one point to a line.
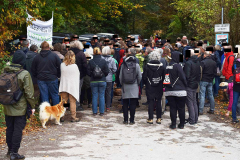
159	50
132	51
192	52
106	50
148	50
218	48
207	53
76	44
154	55
33	48
25	43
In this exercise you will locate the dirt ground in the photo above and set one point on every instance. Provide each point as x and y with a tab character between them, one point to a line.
107	138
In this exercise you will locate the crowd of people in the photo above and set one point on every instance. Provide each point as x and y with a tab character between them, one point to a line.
181	74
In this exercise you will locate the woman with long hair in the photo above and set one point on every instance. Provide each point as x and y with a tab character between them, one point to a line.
69	83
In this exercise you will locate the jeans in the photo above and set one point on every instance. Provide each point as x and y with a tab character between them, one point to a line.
234	105
15	126
203	87
230	93
49	89
98	90
177	104
216	85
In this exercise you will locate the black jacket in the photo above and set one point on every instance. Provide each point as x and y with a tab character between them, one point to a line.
209	69
46	66
236	87
101	63
81	62
29	59
150	69
193	72
176	72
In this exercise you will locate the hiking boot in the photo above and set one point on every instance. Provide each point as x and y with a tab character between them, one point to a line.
172	126
125	122
158	121
8	154
149	121
101	114
210	112
235	121
94	114
186	121
180	126
132	122
75	120
16	156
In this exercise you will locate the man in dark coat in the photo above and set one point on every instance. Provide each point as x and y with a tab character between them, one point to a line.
209	70
193	75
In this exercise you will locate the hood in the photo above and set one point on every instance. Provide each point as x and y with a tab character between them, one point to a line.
229	53
12	68
194	59
175	57
45	53
107	57
75	50
30	54
130	59
154	65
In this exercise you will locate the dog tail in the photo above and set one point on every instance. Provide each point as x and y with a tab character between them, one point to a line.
42	108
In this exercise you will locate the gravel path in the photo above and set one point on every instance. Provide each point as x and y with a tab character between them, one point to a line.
107	138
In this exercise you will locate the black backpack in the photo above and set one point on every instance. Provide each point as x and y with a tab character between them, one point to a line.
97	71
155	78
129	74
10	93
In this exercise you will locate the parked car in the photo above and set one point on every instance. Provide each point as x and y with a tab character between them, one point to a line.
107	35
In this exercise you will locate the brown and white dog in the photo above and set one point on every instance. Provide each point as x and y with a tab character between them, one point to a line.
51	112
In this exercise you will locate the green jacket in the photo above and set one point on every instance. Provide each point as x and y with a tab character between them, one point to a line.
26	85
141	61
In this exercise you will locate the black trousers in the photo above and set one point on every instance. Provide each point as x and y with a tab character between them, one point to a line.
15	126
87	92
131	102
177	104
151	105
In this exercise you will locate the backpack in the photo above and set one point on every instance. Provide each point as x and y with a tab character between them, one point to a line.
129	72
237	75
10	93
155	79
168	80
97	71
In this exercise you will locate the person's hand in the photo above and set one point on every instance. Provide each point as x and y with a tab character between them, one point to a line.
33	111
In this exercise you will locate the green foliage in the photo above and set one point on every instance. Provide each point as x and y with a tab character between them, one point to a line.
2	119
4	61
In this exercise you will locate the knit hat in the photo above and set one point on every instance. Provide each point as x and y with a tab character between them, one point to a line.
19	57
154	56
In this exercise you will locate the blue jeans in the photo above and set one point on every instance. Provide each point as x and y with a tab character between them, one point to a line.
49	89
203	87
234	105
216	85
98	89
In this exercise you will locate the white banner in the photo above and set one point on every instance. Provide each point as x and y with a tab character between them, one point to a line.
40	31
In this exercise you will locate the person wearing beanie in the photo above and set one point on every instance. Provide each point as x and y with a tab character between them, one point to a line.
15	114
153	76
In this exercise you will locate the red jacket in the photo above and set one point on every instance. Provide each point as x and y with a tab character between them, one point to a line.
227	67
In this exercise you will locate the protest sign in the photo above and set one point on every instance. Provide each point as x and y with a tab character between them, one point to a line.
40	31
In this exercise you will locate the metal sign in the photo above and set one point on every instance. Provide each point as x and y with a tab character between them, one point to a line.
222	27
220	38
